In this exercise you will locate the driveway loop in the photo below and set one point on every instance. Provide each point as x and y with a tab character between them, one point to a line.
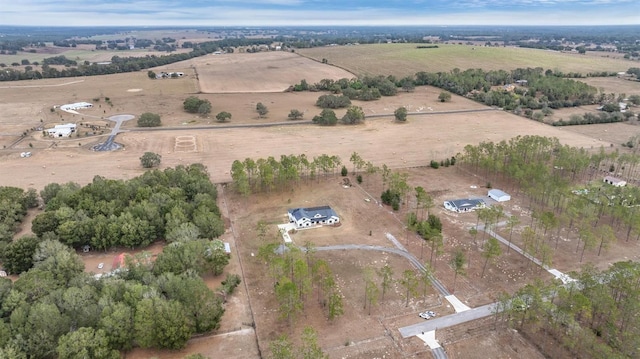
110	145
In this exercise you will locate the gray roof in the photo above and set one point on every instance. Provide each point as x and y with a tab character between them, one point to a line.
498	193
466	203
311	212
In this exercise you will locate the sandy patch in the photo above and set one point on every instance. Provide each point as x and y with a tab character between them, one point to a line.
134	90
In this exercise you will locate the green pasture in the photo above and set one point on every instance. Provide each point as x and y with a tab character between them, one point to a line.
80	55
406	59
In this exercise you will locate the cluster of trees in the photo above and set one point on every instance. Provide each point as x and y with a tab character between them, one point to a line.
106	213
544	89
14	203
591	317
590	118
548	174
333	101
194	104
296	275
57	310
283	348
364	89
149	119
268	174
430	229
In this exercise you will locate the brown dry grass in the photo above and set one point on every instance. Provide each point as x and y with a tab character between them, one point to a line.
381	141
260	72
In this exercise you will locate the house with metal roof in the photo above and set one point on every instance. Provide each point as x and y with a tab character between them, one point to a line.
464	205
313	216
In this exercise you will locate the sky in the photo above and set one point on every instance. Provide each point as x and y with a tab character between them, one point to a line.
317	12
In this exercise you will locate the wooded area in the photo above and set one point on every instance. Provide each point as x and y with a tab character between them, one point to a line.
55	308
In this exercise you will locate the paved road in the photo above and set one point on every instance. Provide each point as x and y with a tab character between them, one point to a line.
447	321
109	145
292	123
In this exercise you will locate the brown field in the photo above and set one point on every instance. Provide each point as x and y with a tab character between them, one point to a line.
433	134
261	72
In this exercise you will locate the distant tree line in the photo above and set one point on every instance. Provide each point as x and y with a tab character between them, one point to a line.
118	65
592	118
536	90
265	175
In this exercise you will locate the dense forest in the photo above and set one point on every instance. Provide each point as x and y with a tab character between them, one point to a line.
56	309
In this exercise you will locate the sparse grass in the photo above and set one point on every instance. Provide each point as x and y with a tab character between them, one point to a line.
406	59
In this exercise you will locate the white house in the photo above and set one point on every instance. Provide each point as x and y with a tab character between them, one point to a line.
62	130
617	182
498	195
464	205
76	106
313	216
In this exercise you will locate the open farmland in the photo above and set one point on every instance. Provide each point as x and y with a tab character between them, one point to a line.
436	133
382	141
406	59
80	54
261	72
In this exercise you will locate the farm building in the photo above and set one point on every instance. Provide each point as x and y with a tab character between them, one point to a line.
76	106
62	130
617	182
169	75
499	195
313	216
464	205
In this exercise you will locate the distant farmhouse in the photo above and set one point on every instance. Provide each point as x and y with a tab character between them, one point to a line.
76	106
313	216
169	75
62	130
617	182
464	205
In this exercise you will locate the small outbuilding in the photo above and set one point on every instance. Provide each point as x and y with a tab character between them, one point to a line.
617	182
498	195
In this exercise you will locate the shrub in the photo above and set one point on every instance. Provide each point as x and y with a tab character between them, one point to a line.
391	198
149	119
150	159
434	164
344	171
333	101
